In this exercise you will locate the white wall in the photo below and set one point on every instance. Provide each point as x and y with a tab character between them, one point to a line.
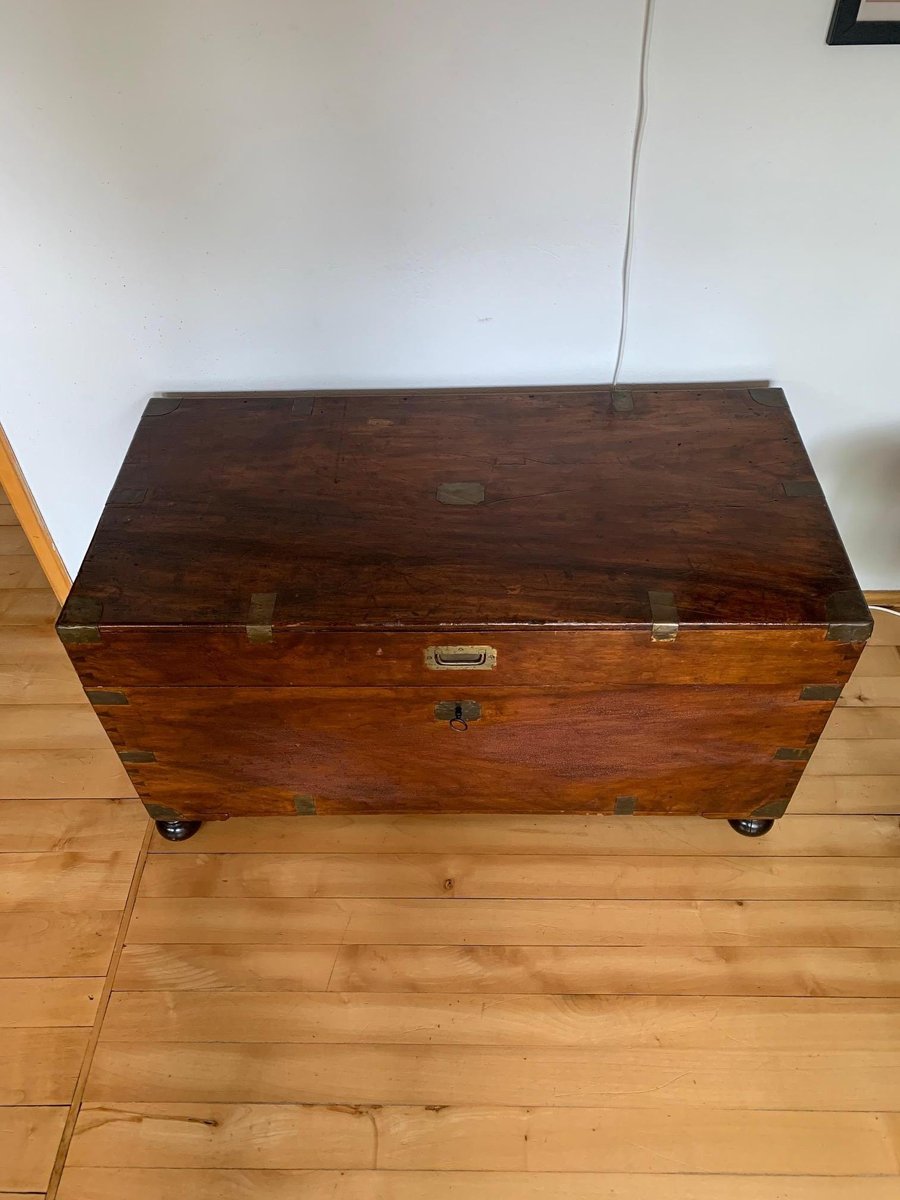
324	192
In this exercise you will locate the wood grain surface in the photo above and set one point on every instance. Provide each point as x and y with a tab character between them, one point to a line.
330	503
239	751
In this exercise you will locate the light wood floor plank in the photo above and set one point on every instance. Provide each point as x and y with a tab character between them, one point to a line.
56	774
658	923
78	825
348	1137
21	571
853	757
41	881
28	1141
28	606
40	1066
516	876
841	795
871	692
282	1073
38	646
809	835
576	970
718	970
56	943
301	968
37	1003
596	1022
99	1183
52	727
863	723
13	539
877	660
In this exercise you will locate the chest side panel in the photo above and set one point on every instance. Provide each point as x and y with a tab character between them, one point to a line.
207	752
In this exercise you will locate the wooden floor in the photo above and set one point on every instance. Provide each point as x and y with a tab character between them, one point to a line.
441	1008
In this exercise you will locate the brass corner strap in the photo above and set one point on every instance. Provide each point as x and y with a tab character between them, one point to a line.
797	488
663	616
622	400
625	806
771	811
259	616
793	753
101	697
79	621
849	618
821	691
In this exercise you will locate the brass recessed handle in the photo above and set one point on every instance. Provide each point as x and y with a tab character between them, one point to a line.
460	658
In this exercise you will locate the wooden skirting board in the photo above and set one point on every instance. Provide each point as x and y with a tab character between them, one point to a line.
883	599
23	504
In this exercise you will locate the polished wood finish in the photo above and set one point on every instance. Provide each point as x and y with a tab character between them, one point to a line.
329	501
255	620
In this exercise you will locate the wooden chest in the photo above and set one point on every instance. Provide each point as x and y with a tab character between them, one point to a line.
482	600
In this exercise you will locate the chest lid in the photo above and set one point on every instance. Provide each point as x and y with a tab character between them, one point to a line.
467	508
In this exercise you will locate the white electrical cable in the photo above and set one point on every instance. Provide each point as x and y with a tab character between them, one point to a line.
640	121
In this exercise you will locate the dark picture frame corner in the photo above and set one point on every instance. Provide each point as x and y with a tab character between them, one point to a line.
847	30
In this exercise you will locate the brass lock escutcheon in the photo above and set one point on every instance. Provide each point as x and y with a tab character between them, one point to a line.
460	658
457	713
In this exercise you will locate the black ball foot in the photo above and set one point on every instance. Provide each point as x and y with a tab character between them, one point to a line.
177	831
752	827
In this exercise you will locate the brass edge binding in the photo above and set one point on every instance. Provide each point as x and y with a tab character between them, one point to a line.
102	697
159	812
769	397
78	635
771	811
259	618
161	406
821	691
137	756
79	621
127	497
793	753
625	806
849	618
663	616
800	487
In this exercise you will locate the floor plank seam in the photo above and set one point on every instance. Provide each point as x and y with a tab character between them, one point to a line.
87	1061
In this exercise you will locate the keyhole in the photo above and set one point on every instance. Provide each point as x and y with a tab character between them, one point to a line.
458	721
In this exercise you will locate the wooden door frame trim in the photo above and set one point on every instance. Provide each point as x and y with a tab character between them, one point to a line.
29	516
